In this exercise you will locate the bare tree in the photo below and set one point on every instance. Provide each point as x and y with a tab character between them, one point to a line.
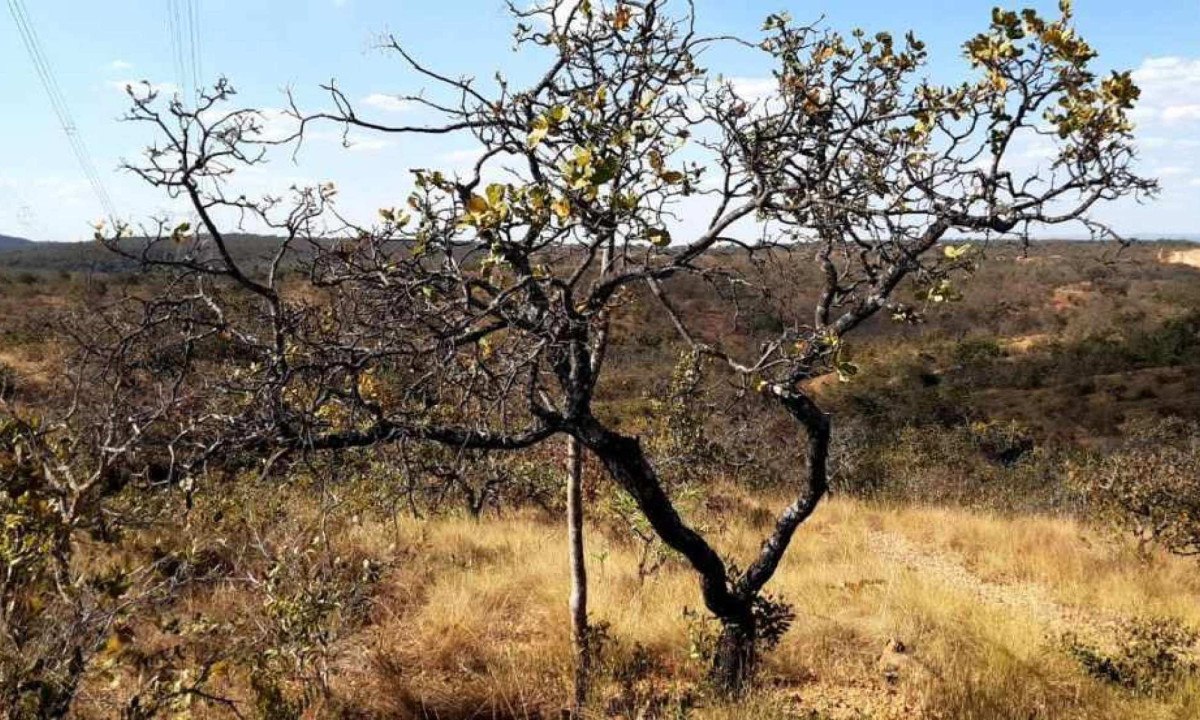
473	315
76	475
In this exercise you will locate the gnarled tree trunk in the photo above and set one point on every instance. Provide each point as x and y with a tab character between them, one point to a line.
730	599
735	654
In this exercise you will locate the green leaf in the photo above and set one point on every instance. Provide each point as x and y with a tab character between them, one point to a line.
605	171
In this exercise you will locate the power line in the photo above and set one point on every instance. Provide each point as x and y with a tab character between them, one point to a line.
26	215
183	27
58	103
175	32
194	32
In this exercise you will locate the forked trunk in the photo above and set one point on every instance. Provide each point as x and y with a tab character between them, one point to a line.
730	599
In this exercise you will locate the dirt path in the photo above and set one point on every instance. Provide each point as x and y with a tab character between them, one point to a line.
1031	599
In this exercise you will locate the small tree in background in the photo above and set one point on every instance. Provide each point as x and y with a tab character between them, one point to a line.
1150	486
472	313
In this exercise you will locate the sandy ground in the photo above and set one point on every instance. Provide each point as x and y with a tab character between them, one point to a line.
1182	257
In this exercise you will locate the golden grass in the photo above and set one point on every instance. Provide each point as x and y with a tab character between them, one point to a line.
486	635
901	612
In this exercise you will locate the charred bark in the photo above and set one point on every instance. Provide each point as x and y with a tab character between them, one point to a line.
731	599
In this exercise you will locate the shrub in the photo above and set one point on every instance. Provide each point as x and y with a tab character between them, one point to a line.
1150	657
1149	485
977	350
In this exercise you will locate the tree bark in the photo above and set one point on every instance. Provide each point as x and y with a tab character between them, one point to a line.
735	654
730	599
580	635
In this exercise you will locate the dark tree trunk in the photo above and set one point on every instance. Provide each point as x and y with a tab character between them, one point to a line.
735	655
730	599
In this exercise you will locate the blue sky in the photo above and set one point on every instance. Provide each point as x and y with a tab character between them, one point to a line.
264	46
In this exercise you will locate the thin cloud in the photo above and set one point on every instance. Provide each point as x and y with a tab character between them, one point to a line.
355	145
120	65
390	103
1181	112
754	89
460	157
1171	171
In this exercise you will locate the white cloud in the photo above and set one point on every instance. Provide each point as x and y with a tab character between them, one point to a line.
753	89
356	145
390	103
276	124
1170	89
120	65
1170	171
1181	112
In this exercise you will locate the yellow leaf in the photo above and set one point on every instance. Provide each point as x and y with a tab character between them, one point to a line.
113	644
561	208
477	205
536	136
658	237
495	194
559	114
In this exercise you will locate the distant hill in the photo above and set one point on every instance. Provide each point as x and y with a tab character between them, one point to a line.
253	250
8	242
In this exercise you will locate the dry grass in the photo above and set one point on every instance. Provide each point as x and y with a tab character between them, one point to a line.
901	613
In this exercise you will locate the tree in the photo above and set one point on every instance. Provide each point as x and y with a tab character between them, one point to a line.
1149	485
472	316
75	477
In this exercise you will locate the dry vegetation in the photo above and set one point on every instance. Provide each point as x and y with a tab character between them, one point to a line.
901	612
943	581
320	474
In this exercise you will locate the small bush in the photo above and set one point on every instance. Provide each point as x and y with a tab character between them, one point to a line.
977	350
1150	485
1151	656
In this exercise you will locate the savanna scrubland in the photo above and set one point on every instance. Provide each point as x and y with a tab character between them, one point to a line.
945	578
856	447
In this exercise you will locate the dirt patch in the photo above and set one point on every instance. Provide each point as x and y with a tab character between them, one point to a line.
1025	343
1190	258
27	369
